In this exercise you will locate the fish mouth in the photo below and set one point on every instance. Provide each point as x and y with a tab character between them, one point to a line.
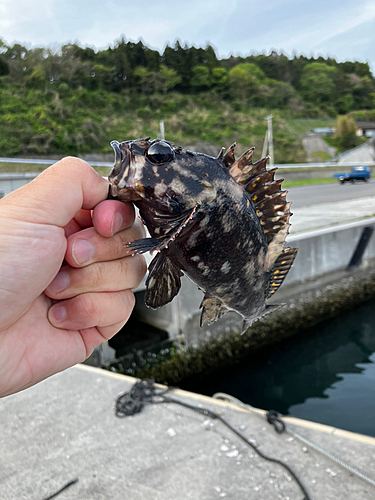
121	177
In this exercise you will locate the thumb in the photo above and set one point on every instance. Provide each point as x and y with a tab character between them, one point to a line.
58	193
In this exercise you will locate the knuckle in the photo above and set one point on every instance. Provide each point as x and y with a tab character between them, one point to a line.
142	264
86	307
98	274
119	243
128	299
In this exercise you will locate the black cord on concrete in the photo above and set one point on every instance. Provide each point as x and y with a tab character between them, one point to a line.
74	481
145	392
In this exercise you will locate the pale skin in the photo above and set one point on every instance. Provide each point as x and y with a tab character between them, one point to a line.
66	275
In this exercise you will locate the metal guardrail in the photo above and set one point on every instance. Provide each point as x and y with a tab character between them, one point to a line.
37	161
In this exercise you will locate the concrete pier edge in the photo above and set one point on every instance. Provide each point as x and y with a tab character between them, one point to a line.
307	424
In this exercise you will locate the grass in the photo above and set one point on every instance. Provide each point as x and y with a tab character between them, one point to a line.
6	167
308	182
303	126
21	167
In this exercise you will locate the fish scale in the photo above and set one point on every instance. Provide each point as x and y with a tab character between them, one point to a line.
221	222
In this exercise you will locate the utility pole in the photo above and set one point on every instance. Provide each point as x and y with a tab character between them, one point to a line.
268	141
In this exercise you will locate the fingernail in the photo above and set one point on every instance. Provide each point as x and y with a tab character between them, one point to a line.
59	313
82	251
60	282
117	222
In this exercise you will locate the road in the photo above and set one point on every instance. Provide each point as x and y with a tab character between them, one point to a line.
325	205
328	193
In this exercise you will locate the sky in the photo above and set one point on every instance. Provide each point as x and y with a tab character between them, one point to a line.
343	29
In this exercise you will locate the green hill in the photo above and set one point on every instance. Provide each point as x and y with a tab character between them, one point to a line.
76	100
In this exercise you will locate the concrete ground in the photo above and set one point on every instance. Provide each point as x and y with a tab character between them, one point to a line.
65	429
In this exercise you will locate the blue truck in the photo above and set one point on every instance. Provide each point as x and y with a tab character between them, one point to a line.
356	174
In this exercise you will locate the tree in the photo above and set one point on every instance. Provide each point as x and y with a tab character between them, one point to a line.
180	59
201	78
4	67
345	104
220	79
103	75
362	93
345	134
145	79
166	79
317	83
245	80
37	79
276	94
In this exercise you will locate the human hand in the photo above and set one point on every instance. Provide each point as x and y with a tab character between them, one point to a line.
54	312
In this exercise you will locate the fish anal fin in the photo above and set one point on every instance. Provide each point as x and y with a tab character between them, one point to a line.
212	309
163	282
280	269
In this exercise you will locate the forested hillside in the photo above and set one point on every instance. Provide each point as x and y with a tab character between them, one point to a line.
74	100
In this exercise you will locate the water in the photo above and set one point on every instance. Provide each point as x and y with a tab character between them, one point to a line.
326	374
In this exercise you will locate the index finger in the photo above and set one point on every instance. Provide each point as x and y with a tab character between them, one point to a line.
58	193
112	216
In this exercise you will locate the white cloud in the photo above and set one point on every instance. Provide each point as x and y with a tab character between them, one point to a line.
231	26
16	14
360	16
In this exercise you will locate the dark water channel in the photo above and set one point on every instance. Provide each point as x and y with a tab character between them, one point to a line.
327	374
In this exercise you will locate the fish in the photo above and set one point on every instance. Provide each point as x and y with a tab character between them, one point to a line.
222	222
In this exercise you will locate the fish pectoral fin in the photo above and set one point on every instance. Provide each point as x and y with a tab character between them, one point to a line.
163	282
152	244
212	309
145	245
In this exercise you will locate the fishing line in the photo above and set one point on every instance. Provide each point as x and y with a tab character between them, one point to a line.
280	426
145	392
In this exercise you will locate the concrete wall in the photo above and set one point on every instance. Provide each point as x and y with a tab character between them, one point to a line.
327	250
9	182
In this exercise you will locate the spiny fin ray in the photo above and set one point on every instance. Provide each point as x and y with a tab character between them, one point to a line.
280	269
228	158
267	197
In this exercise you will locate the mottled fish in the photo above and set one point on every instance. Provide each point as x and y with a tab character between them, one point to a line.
222	222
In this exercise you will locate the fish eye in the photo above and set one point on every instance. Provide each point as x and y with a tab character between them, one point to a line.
160	152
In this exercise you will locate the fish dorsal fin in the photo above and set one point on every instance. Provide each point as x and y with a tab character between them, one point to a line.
268	198
228	158
238	166
220	156
243	170
280	269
